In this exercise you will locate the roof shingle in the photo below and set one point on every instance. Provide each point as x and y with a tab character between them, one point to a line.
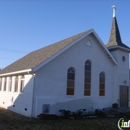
115	38
35	58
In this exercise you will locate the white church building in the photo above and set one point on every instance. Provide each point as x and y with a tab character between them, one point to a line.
79	72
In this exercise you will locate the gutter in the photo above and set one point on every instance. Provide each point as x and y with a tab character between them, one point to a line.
17	72
118	47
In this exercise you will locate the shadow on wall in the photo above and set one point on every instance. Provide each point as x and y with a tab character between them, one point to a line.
74	105
22	102
48	105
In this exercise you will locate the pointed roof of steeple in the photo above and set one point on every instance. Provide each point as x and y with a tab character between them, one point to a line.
115	38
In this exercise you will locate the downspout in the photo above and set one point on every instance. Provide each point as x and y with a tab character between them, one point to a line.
116	86
33	95
129	88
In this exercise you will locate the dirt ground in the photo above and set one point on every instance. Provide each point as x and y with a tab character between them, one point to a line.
13	121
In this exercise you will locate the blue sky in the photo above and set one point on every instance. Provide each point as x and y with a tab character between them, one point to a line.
27	25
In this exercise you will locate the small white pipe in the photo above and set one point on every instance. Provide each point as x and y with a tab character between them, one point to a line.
114	10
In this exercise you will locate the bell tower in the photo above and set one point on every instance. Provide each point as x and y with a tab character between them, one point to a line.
120	52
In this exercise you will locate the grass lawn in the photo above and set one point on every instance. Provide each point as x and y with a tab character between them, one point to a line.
13	121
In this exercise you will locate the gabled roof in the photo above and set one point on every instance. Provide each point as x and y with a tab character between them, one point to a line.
35	58
115	38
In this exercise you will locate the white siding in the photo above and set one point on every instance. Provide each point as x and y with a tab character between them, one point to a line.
20	100
50	82
121	72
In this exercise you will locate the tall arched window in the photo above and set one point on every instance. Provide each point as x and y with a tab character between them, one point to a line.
70	81
87	80
101	84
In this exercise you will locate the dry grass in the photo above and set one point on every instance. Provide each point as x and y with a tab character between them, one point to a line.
13	121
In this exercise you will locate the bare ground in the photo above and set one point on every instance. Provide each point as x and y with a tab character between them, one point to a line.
13	121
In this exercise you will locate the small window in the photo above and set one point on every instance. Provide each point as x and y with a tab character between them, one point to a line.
46	108
16	84
123	58
0	84
70	81
10	84
5	82
102	84
22	84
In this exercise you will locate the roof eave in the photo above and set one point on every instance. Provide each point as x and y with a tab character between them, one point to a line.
112	48
71	44
28	71
61	51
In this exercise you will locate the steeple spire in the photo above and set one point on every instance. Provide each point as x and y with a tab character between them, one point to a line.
115	38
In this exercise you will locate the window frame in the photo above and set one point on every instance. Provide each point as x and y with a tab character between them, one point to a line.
70	91
45	108
22	83
16	84
5	84
87	77
123	58
102	85
10	84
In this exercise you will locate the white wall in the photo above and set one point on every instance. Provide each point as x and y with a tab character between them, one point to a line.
121	72
51	80
20	100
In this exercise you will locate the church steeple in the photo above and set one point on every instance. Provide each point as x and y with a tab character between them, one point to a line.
115	38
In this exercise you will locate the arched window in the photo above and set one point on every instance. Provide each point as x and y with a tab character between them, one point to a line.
101	84
16	84
0	84
87	80
70	81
